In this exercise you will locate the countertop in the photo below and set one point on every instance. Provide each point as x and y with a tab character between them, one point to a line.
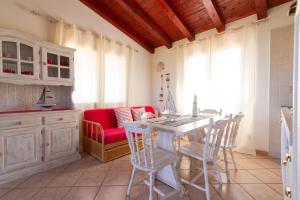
29	110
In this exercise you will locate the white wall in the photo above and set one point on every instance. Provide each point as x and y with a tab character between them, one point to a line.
15	14
277	17
281	82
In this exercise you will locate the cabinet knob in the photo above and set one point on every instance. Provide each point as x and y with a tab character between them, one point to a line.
288	192
19	123
60	119
47	144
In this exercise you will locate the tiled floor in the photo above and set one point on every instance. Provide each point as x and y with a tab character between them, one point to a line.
258	178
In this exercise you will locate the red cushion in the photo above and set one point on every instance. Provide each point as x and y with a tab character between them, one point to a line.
105	116
147	108
111	135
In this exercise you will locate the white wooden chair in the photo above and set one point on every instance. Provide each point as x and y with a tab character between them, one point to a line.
197	136
207	153
210	112
149	158
229	138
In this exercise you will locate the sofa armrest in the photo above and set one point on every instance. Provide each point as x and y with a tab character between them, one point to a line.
89	126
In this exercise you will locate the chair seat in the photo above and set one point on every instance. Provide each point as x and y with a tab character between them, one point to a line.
193	149
161	158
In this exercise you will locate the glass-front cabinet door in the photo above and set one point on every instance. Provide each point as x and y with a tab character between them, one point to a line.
18	59
57	65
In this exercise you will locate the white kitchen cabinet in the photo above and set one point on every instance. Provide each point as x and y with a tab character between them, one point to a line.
24	59
61	140
37	141
57	65
18	58
20	148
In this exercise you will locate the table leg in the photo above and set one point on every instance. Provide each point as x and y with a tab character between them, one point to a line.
168	174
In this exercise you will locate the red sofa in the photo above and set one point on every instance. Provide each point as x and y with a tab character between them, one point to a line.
102	137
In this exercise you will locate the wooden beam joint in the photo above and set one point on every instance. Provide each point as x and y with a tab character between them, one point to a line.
215	14
261	9
101	10
176	19
133	8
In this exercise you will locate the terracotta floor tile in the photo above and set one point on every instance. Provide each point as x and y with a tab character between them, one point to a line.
276	171
96	165
249	163
277	187
141	192
189	174
117	178
257	156
232	192
65	179
261	191
127	157
13	184
79	165
270	163
121	165
52	193
112	193
57	169
238	155
90	178
139	177
196	194
230	165
3	191
38	180
21	194
82	193
266	176
167	189
243	176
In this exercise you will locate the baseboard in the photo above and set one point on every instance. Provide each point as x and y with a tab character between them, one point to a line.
261	152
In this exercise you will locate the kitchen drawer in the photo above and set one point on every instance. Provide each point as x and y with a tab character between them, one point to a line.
60	118
9	122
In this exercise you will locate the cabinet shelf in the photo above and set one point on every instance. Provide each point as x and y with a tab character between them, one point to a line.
9	59
26	61
29	61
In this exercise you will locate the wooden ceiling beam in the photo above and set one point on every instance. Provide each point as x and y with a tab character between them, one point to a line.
101	10
176	20
143	19
215	14
261	9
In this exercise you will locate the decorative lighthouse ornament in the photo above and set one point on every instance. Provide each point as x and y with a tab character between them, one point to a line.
195	107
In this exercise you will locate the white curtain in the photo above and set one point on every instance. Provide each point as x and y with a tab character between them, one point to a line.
221	70
101	67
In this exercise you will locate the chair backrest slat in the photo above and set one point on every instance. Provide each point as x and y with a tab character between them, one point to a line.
139	134
232	130
210	112
213	140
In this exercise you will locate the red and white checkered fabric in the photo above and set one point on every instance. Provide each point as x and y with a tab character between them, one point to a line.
137	113
123	115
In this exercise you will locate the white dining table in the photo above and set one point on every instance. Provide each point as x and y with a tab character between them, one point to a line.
166	137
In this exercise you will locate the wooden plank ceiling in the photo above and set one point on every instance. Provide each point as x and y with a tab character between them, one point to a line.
154	23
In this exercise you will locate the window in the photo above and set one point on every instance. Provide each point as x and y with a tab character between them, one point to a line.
115	79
